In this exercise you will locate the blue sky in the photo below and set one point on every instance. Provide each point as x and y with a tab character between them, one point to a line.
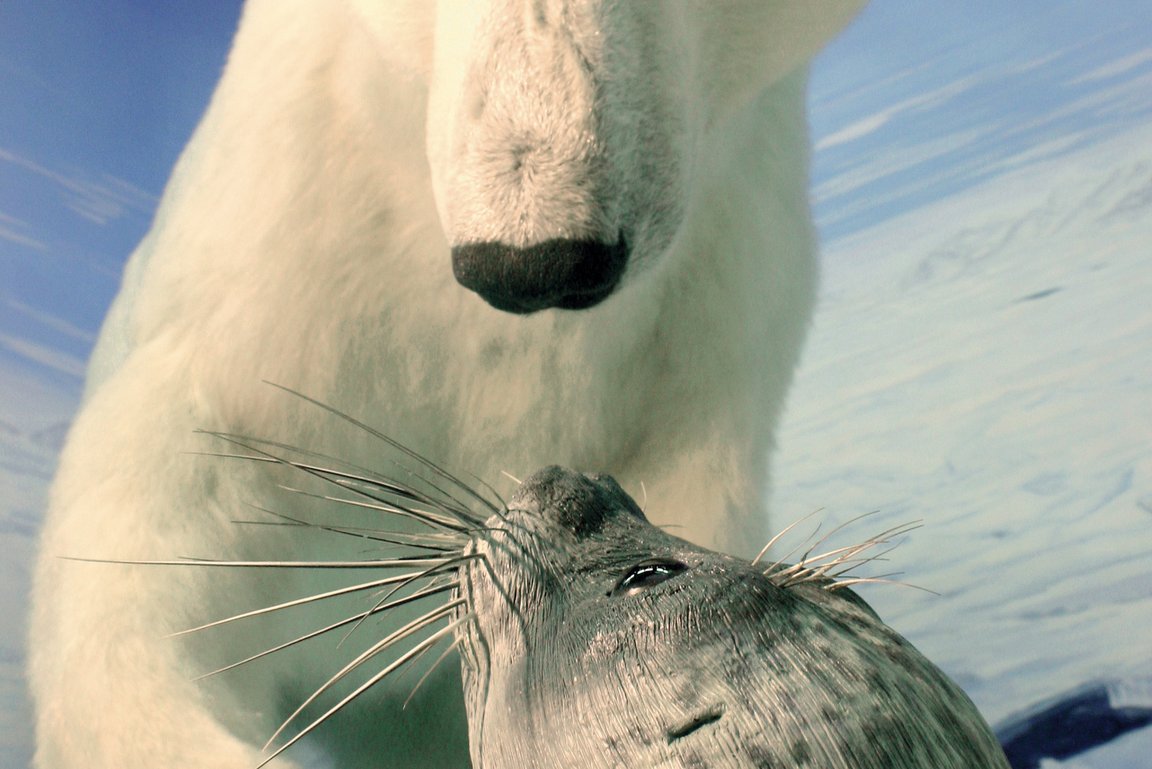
917	101
113	84
96	102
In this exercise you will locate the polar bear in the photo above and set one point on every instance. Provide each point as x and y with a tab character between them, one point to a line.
511	233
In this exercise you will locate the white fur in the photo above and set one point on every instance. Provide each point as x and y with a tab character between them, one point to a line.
301	241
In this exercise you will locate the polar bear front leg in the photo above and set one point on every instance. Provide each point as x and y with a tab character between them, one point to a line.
112	691
121	698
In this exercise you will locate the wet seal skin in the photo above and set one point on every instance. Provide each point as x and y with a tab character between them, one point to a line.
599	640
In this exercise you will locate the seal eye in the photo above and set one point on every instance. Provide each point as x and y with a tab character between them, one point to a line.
646	574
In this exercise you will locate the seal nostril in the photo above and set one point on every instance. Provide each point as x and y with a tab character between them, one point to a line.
647	574
710	716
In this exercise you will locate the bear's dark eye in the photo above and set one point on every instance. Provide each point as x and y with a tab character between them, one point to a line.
646	574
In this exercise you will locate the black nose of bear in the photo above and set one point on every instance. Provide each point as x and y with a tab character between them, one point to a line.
561	273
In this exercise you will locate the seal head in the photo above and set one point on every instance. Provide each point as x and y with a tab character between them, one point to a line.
599	640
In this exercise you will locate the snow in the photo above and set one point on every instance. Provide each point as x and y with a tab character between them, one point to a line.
983	364
35	410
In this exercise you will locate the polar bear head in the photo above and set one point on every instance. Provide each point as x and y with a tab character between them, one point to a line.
563	135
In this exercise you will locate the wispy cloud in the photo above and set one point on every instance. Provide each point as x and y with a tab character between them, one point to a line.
98	200
51	321
871	123
44	356
1127	98
1041	62
1115	68
896	159
10	230
854	131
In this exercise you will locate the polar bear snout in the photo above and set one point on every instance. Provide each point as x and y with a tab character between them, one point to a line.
562	273
542	136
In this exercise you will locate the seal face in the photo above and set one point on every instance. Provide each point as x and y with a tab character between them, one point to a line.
599	640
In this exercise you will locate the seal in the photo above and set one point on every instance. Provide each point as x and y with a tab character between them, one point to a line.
588	637
599	640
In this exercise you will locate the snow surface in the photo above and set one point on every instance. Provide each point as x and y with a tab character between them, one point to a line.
35	410
985	364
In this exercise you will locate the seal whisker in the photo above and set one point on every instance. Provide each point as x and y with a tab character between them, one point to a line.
811	563
335	477
849	564
880	580
451	564
500	509
452	542
349	480
779	565
822	573
809	558
376	648
832	565
364	475
846	565
842	555
459	525
426	517
388	563
443	655
764	550
428	463
404	659
456	506
321	631
403	579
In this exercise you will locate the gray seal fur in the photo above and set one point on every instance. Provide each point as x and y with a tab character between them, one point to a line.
599	640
